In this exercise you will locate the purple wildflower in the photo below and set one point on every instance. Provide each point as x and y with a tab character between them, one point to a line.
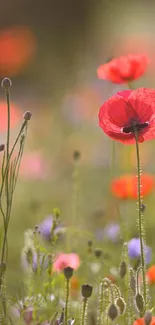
135	252
110	232
46	227
29	259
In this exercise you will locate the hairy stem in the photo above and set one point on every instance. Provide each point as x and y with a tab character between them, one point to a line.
140	218
66	303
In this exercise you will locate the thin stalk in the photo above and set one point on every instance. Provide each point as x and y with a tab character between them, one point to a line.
84	310
140	218
66	303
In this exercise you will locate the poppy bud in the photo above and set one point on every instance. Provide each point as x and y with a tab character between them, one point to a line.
76	155
112	312
68	272
6	83
86	290
147	317
98	252
121	305
123	269
27	116
140	302
2	147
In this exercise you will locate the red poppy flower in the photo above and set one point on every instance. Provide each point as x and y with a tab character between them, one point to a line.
123	69
140	321
151	274
17	47
15	116
129	111
126	186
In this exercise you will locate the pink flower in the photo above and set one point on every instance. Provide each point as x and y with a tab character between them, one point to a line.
33	166
65	260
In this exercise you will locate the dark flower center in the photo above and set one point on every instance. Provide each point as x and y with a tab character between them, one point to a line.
134	127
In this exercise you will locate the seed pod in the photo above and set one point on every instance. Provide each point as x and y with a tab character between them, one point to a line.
121	305
68	272
27	116
147	317
112	312
123	269
6	83
98	252
140	302
86	290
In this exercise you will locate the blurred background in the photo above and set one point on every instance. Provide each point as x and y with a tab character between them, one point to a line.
51	50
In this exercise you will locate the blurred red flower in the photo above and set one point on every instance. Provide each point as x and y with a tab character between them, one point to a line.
126	186
140	321
123	69
15	115
33	166
17	47
65	260
151	274
128	111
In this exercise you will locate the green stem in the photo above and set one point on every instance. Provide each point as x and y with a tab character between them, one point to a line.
140	218
66	303
84	310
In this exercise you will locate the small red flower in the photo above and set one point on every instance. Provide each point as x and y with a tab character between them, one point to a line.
123	69
17	48
126	186
128	112
140	321
151	274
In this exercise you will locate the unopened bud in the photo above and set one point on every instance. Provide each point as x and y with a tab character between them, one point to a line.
27	116
121	305
147	317
98	252
123	269
68	272
76	155
112	312
86	290
6	83
2	147
140	302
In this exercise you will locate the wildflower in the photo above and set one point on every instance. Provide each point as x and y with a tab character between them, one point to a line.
74	283
65	260
128	112
46	226
17	48
140	321
124	68
134	250
125	187
151	274
110	232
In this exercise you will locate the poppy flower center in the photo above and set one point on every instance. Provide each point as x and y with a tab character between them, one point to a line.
134	126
